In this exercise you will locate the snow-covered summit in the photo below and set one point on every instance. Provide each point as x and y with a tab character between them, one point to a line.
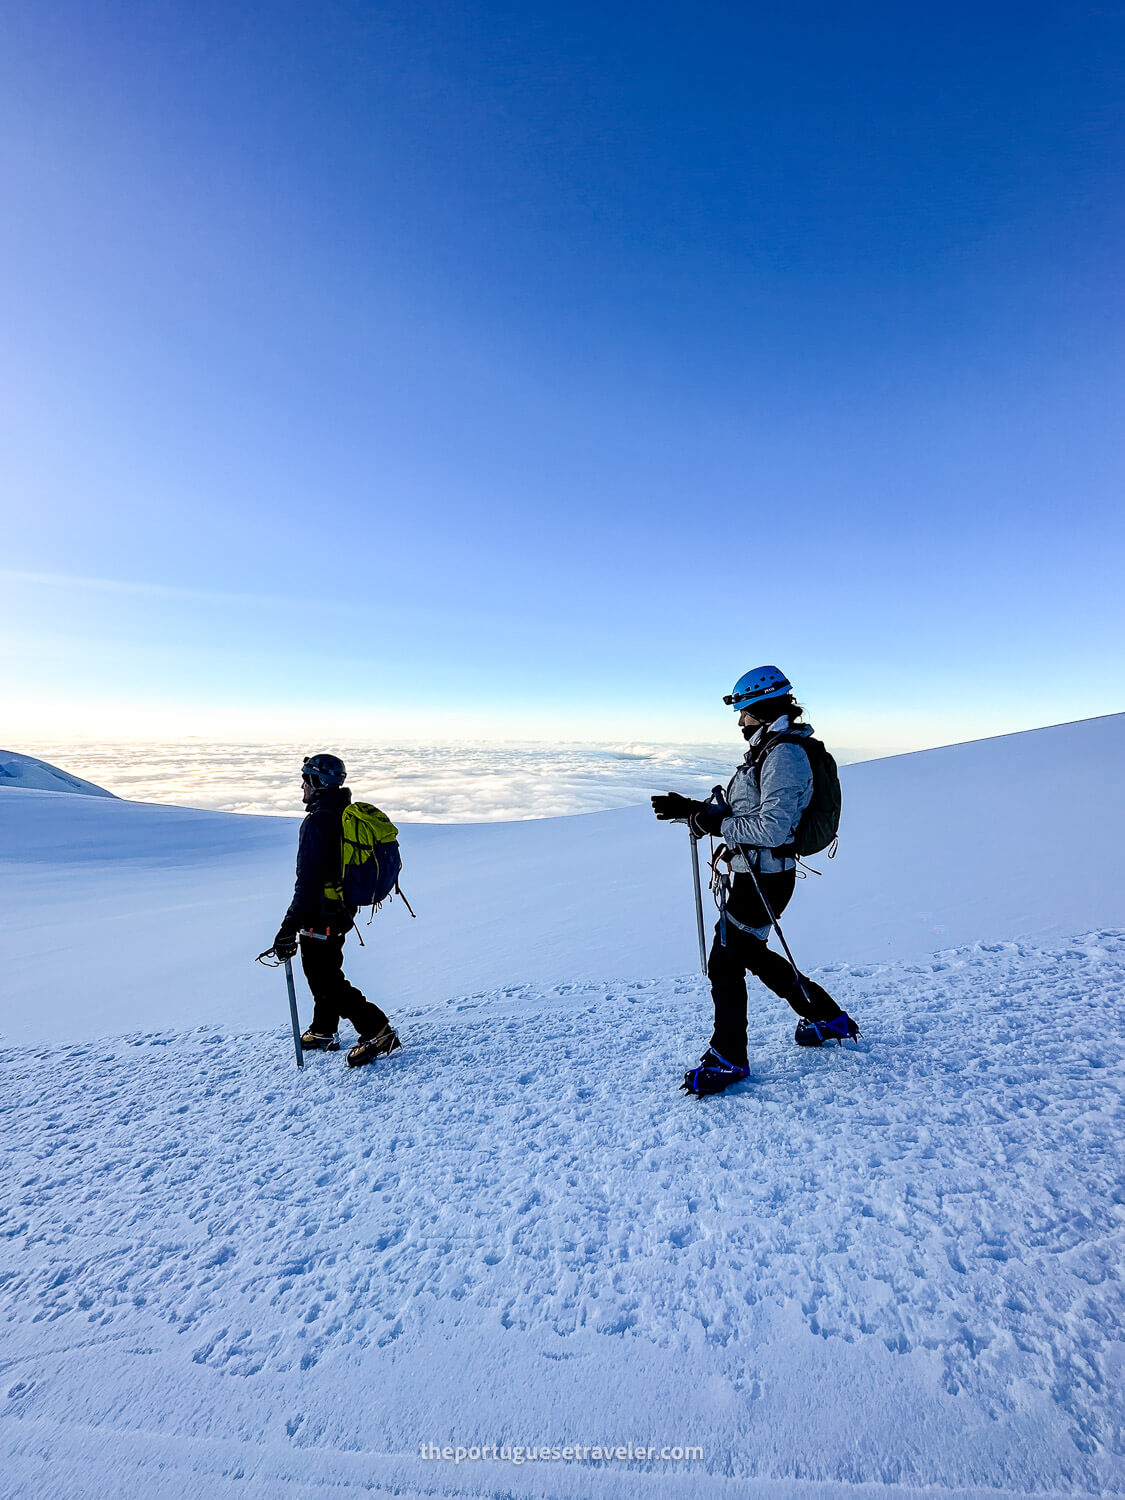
29	774
889	1270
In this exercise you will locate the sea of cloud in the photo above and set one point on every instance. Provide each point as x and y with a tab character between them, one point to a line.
472	783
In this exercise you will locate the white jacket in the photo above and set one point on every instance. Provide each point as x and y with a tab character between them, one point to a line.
766	804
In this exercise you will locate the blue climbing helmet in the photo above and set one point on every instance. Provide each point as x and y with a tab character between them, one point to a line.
756	686
323	770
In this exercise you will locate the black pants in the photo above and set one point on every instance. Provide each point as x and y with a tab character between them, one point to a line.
728	966
323	962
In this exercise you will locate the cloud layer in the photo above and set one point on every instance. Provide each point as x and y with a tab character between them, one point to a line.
413	783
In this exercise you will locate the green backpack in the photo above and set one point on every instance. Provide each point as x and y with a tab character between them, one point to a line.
370	858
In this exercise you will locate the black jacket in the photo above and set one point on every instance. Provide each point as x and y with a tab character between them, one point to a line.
318	865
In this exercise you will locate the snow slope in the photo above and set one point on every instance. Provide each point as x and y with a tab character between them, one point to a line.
117	915
25	772
890	1270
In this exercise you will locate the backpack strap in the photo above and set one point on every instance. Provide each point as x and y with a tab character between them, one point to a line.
405	902
782	737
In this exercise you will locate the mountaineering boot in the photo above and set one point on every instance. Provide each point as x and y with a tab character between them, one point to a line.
840	1029
368	1048
318	1041
713	1075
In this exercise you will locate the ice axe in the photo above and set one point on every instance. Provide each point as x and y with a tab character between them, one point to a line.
271	961
720	804
297	1048
698	901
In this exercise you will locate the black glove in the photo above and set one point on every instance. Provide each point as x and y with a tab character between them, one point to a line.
284	945
672	808
709	820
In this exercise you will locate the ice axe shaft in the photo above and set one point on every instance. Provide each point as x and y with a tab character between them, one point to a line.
698	901
297	1048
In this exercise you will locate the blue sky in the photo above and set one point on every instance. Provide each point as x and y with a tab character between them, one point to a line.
532	371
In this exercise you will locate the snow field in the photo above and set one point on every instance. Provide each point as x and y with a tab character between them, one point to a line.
891	1269
885	1271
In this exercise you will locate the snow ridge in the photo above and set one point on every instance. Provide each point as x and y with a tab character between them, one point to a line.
27	773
